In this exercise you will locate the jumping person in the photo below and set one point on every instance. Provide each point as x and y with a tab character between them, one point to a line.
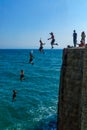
21	75
53	39
31	58
41	46
14	95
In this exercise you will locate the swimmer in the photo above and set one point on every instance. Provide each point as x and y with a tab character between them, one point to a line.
14	95
21	75
41	46
53	40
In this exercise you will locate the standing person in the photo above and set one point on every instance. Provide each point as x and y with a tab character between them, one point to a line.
52	39
14	95
31	57
74	38
41	46
21	75
83	37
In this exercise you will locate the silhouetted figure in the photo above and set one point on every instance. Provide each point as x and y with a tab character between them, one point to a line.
31	58
83	37
52	39
74	38
14	95
41	46
21	75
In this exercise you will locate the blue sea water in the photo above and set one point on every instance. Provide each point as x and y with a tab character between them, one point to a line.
35	107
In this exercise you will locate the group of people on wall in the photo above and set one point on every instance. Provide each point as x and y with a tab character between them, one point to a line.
31	57
82	42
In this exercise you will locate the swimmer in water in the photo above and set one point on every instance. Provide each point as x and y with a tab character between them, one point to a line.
21	75
14	95
52	40
41	46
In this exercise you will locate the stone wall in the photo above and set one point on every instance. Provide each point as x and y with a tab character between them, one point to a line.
72	106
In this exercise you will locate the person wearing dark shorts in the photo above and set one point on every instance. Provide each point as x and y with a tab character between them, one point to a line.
21	75
14	95
31	58
41	46
74	38
52	40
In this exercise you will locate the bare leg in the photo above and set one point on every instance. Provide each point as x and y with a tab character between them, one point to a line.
52	45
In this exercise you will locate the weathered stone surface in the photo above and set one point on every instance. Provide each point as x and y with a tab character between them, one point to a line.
72	106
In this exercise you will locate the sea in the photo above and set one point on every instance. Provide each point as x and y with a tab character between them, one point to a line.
36	103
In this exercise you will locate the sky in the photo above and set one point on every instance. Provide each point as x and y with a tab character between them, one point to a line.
24	22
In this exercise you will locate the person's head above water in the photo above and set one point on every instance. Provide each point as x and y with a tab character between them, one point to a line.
22	71
13	90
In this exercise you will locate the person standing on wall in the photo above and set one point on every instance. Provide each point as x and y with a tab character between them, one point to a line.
83	37
74	38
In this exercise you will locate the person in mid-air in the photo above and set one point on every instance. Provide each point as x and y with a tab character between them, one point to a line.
14	95
41	46
21	75
52	39
31	58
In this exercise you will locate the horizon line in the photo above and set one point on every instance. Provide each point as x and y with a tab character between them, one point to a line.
28	48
